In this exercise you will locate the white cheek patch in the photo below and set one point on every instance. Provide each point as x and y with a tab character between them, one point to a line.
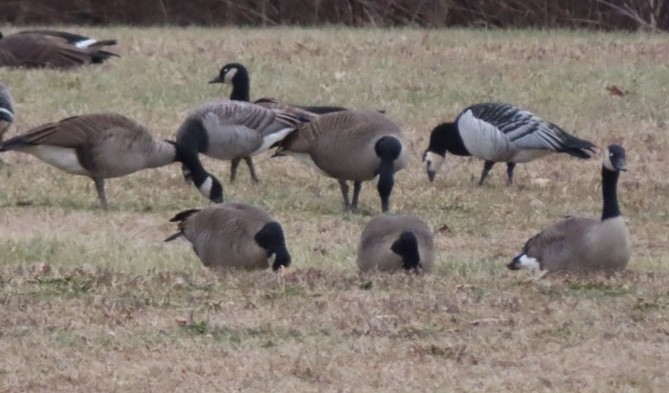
433	161
7	111
607	161
271	259
85	43
227	78
205	187
529	263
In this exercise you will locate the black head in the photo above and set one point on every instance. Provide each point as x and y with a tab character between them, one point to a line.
614	158
229	73
406	246
271	238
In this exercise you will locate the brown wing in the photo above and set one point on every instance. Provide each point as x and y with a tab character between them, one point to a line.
557	238
36	50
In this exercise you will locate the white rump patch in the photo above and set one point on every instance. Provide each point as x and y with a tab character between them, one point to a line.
227	78
205	187
85	43
529	263
433	161
271	139
63	158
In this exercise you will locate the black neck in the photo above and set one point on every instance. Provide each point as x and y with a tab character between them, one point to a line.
445	137
240	86
610	193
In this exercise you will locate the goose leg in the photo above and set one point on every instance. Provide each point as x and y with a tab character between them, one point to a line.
344	193
233	168
252	169
100	187
357	186
510	166
487	166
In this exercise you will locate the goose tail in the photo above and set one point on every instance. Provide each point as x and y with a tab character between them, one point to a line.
577	147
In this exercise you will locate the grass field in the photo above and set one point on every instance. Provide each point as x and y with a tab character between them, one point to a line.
94	301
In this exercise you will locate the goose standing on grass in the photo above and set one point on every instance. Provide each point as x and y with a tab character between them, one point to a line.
500	133
578	244
237	76
6	110
51	49
391	243
351	145
99	145
229	130
234	235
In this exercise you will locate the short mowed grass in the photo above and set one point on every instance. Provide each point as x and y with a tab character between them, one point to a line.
95	301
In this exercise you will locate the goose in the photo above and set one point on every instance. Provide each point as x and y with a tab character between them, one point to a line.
236	74
51	49
6	110
498	132
394	242
578	244
97	145
229	130
233	235
351	145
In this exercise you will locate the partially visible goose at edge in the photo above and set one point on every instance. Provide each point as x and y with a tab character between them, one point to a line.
578	244
394	242
351	145
51	49
234	235
229	130
6	110
236	75
99	145
500	133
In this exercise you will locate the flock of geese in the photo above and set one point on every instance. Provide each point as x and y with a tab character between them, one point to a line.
351	146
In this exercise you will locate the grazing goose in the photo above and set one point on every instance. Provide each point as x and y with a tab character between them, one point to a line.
390	243
578	244
234	235
51	49
350	145
500	133
235	74
6	110
229	130
99	145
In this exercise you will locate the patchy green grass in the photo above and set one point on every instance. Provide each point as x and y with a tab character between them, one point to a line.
95	301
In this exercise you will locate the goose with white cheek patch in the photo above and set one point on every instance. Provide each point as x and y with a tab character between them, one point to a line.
498	132
7	113
578	244
351	146
229	130
98	145
234	235
396	242
51	49
236	75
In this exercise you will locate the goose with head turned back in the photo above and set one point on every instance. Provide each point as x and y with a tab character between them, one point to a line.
6	110
500	133
394	242
234	235
228	130
236	75
578	244
98	145
351	145
51	49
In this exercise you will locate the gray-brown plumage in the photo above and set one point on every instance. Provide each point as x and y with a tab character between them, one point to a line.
51	49
99	145
229	130
6	110
351	145
394	242
578	244
234	235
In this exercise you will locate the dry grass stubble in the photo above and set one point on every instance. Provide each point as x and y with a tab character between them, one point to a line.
119	310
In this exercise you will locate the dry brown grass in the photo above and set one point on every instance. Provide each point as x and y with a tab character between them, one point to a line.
121	311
